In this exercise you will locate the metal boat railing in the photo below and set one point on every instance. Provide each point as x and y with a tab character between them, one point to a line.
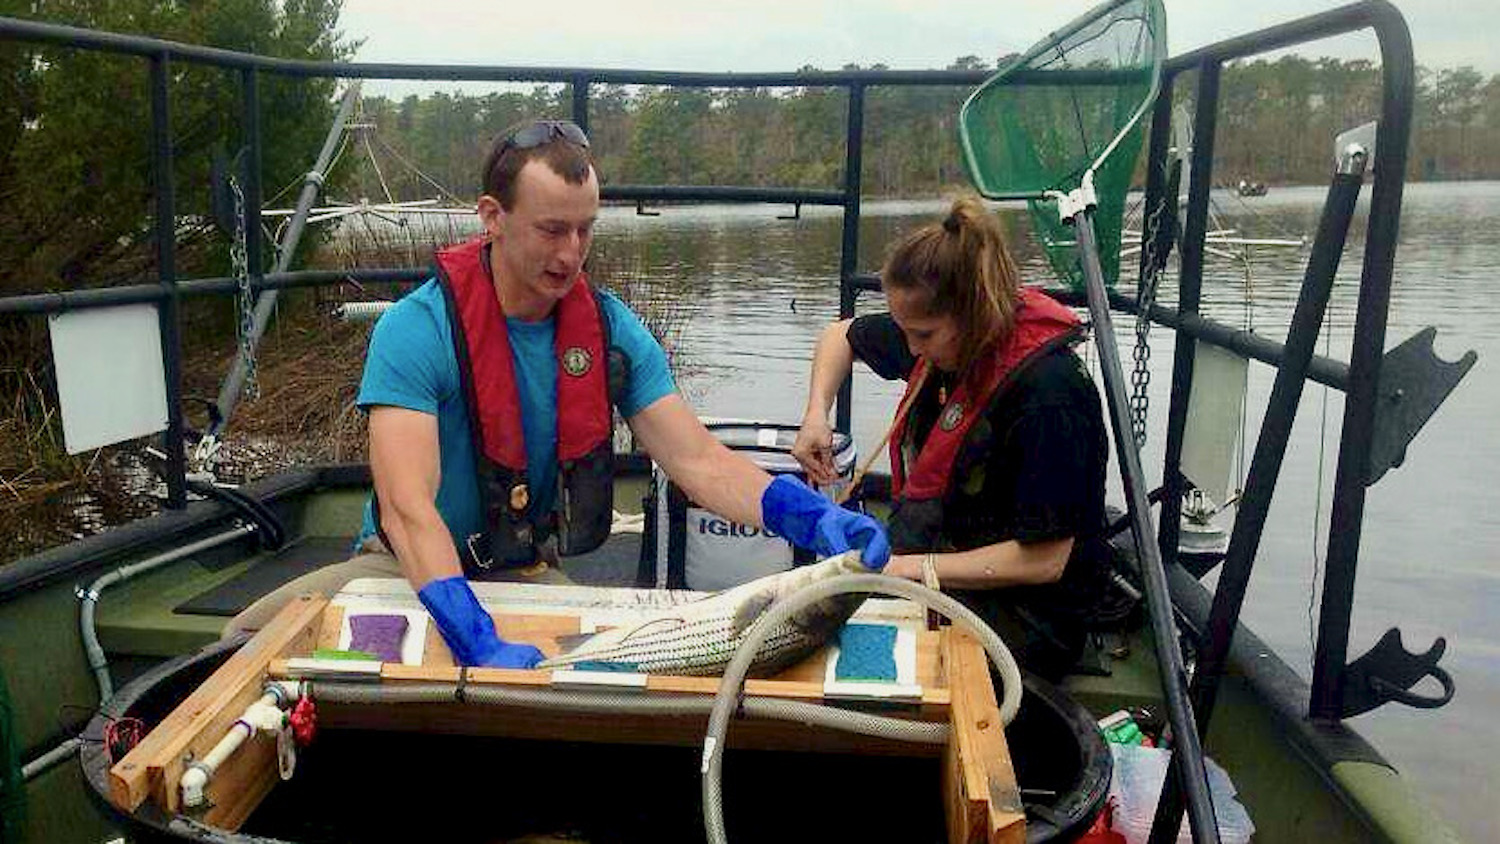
1367	387
167	290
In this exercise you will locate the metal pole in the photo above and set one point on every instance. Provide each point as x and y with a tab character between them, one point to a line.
1190	286
1187	756
580	88
1381	233
1156	160
251	108
1275	431
1270	448
849	257
166	269
265	302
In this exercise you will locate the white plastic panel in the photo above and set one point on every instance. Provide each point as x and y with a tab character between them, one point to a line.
109	375
1213	423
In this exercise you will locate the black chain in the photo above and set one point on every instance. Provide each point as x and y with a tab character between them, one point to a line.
1153	260
245	300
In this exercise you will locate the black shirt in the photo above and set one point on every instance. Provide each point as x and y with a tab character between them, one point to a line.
1042	479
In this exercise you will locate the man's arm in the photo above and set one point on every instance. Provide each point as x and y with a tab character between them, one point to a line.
405	465
695	460
1008	563
737	489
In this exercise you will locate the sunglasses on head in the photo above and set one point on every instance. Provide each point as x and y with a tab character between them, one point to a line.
539	132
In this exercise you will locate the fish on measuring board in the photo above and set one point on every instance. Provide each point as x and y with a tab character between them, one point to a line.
700	637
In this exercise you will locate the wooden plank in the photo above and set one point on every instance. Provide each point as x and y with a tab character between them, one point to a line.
934	699
241	783
803	681
333	625
155	765
539	630
542	631
435	651
979	783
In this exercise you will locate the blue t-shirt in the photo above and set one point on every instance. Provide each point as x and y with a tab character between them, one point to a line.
411	364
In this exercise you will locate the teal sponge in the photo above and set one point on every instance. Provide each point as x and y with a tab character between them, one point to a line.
867	652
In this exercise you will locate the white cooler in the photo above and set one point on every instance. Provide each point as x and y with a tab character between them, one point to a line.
707	552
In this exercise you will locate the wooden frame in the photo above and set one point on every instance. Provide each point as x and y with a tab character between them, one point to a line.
979	783
981	799
155	766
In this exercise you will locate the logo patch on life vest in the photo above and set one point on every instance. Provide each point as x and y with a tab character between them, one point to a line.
520	496
576	361
952	415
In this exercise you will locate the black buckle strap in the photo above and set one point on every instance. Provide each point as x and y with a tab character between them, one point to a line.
477	556
460	691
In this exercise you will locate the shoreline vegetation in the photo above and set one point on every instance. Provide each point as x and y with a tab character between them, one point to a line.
78	211
308	367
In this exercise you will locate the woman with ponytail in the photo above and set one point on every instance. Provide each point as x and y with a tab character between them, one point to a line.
998	449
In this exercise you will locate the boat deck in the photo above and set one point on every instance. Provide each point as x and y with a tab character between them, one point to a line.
184	606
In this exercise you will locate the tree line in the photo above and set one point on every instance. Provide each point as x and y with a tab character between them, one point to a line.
76	187
75	130
1276	125
75	160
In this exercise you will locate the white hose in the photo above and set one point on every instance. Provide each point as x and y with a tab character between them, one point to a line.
89	598
262	715
52	757
361	311
734	674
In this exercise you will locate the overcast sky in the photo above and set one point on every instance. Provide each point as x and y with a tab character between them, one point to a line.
783	35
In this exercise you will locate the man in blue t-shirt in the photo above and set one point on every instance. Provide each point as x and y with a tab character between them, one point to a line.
431	453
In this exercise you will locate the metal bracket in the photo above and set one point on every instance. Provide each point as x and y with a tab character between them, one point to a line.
640	210
1414	382
795	215
1354	149
1388	671
1076	201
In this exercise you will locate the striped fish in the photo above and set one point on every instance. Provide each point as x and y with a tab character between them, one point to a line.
700	637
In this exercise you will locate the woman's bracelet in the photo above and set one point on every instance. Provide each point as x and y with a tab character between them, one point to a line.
929	570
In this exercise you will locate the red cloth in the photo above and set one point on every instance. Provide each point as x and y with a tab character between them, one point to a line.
304	719
1102	831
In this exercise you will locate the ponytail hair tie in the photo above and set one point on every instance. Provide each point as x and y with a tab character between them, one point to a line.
951	224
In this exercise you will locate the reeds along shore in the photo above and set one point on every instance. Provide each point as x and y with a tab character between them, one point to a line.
307	368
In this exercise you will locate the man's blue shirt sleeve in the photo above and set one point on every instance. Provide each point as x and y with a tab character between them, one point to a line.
408	358
650	377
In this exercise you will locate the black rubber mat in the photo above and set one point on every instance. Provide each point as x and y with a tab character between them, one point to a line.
611	564
232	596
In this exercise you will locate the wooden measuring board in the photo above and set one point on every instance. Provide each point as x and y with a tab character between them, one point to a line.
949	682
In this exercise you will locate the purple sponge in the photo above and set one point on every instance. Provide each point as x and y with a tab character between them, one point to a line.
380	635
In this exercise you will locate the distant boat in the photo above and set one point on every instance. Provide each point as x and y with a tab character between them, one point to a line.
1248	188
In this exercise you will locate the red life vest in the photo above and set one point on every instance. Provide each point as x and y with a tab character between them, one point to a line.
919	484
585	422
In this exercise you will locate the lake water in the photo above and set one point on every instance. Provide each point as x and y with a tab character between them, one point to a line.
750	293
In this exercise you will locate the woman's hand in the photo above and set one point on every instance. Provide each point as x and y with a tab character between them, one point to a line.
814	450
908	566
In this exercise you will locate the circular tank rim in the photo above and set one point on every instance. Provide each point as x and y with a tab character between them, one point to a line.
1067	819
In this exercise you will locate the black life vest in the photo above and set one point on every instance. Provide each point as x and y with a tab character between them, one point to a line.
590	374
922	482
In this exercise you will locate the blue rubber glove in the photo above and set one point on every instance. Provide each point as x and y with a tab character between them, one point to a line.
469	630
808	520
